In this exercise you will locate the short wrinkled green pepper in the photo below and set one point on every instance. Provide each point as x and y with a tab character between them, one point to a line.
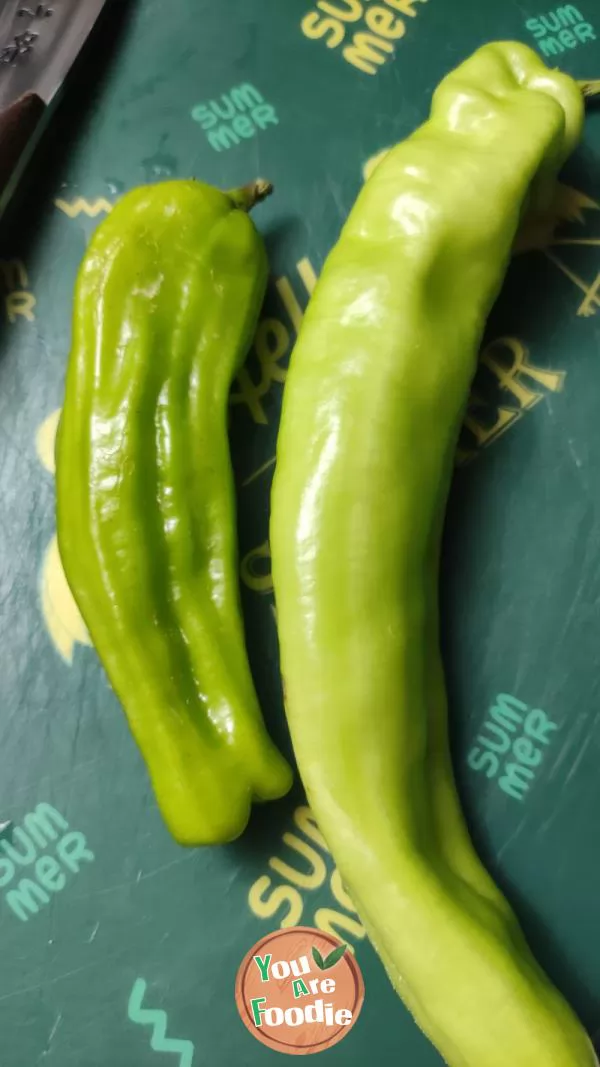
166	304
373	403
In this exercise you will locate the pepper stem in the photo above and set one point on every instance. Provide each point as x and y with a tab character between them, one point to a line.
590	89
248	195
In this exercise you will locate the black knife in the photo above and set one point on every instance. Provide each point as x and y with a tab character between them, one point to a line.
39	42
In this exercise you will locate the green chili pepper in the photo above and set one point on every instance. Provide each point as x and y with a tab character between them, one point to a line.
166	304
372	408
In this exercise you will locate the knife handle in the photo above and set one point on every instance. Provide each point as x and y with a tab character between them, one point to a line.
18	123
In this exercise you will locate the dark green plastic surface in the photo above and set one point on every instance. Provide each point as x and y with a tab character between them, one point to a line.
521	584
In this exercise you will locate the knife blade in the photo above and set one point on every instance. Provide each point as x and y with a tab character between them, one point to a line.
39	42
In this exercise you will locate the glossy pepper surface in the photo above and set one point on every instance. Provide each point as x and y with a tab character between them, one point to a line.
373	403
166	304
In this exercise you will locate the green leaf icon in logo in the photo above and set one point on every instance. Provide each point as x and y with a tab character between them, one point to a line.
317	957
330	960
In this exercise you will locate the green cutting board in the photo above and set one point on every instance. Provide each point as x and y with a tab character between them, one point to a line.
224	92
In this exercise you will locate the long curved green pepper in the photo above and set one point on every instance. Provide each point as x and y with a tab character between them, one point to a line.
166	304
373	403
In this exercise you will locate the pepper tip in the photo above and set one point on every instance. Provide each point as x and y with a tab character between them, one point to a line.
589	89
248	195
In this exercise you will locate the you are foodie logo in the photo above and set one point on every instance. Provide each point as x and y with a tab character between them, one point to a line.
299	990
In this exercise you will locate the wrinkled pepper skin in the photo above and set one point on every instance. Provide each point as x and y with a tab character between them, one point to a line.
166	304
373	403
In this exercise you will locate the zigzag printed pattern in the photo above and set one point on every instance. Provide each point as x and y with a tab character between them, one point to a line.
157	1019
81	206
